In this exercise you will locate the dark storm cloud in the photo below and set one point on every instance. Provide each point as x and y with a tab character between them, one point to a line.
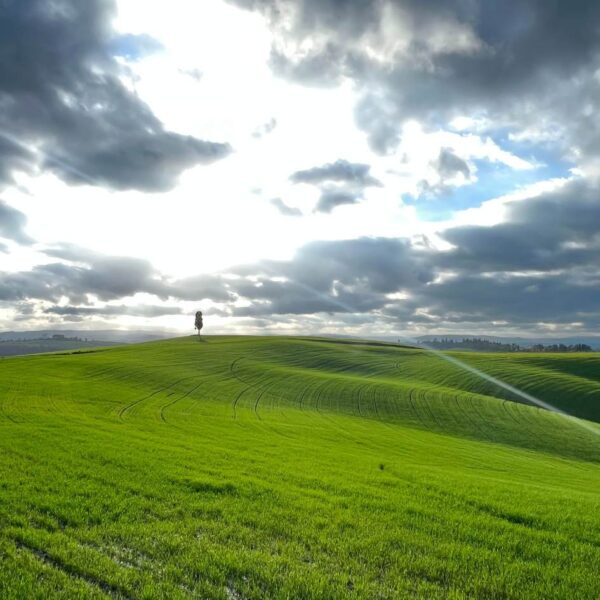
13	157
541	265
554	231
510	61
284	209
12	224
381	264
526	299
331	198
340	171
109	278
334	276
60	91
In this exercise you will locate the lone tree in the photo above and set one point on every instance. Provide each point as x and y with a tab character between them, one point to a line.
198	322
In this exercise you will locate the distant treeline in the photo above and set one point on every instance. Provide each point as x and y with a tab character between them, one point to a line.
489	346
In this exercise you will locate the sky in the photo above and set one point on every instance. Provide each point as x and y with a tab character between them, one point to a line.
360	167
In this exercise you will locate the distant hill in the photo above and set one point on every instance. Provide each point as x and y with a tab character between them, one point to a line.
123	336
14	343
37	346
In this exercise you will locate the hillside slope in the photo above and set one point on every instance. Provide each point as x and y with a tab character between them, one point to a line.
240	467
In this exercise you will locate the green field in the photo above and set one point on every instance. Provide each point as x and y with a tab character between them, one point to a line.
240	467
37	346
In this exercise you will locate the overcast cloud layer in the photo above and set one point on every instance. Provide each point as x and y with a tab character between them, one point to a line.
461	194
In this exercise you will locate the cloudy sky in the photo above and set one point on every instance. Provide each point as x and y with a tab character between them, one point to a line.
368	167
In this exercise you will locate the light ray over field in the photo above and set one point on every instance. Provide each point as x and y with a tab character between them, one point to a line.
466	367
501	384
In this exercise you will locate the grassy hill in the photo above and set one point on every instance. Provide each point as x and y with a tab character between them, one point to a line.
242	467
38	346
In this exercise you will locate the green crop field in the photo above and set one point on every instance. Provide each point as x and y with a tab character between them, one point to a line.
241	467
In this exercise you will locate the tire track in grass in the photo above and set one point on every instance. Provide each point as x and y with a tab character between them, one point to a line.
474	426
57	564
99	372
509	406
367	402
378	394
261	390
237	399
359	390
173	402
494	435
256	401
318	394
125	409
427	406
532	426
244	390
4	410
392	417
263	384
482	408
414	408
264	424
446	398
232	368
523	430
253	384
411	401
6	414
478	420
303	394
265	390
509	412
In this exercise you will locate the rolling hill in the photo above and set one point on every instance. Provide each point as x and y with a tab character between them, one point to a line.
274	467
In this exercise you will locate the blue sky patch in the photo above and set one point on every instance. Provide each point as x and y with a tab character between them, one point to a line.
493	180
134	47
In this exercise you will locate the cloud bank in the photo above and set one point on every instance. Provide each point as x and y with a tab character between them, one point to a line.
66	108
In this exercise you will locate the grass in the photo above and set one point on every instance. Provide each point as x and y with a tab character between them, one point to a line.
20	347
245	467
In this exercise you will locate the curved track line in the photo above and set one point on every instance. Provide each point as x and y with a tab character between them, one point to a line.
125	409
